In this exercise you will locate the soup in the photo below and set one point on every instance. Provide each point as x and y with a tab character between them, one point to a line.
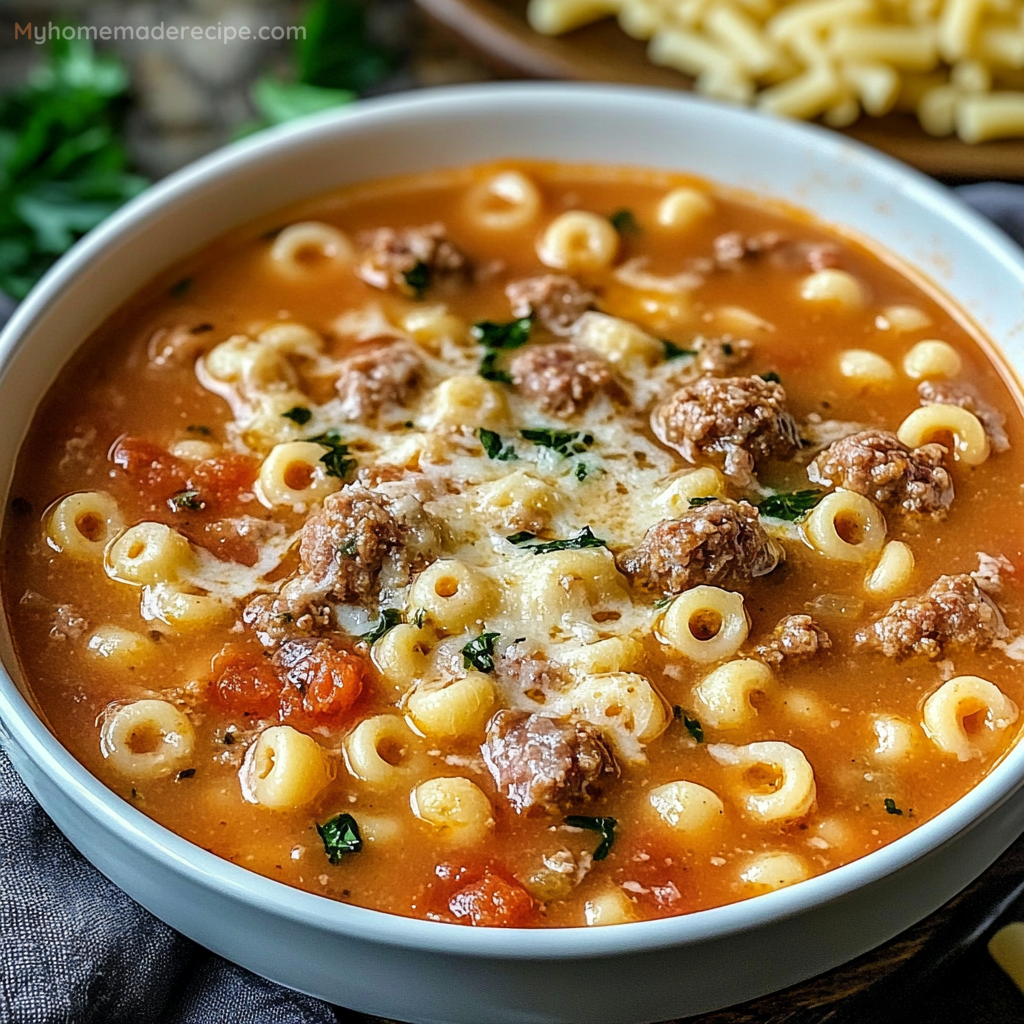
528	545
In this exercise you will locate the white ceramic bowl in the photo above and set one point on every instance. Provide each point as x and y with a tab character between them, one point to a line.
423	971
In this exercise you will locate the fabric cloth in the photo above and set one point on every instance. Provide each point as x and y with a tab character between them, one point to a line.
74	949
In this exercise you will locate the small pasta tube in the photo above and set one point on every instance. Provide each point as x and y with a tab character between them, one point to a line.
687	807
877	85
284	768
300	249
147	739
401	654
466	400
460	708
806	96
377	750
83	524
683	208
624	706
509	200
963	716
866	369
846	527
933	422
904	47
456	807
292	474
454	595
149	553
999	115
618	340
705	624
837	289
904	319
578	241
613	654
894	571
894	737
931	359
724	698
125	648
612	906
777	781
162	602
705	482
774	870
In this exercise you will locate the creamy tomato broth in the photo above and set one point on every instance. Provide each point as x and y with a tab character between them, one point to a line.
527	545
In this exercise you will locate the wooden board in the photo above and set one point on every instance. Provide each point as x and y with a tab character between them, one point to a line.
497	29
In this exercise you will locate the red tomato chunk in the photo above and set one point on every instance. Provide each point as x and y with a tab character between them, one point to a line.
493	902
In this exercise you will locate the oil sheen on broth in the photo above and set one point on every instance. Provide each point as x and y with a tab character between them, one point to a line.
528	545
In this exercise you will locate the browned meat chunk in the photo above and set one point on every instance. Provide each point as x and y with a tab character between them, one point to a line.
732	248
275	618
560	378
945	392
744	418
878	465
953	612
531	673
544	762
344	546
796	636
376	376
722	540
556	300
717	356
410	259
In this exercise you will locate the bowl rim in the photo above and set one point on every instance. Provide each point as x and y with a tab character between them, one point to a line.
32	737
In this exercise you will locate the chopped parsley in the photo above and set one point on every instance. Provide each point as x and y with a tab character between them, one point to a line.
890	806
197	429
349	549
389	618
605	827
727	349
298	414
479	653
417	278
704	500
792	506
340	835
493	446
584	539
664	602
564	442
582	471
500	337
624	221
771	377
693	727
185	773
418	617
335	460
186	501
674	351
181	288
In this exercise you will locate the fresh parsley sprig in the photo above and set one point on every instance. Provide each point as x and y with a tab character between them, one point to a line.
298	414
792	506
624	221
340	835
499	337
479	653
389	618
674	351
335	460
529	542
495	447
605	827
564	442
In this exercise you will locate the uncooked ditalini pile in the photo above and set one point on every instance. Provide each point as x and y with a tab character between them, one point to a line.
957	64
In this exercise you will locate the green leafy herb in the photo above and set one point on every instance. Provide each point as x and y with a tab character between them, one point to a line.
338	51
625	222
704	500
185	773
489	369
890	806
277	102
349	549
479	653
298	414
771	377
181	288
565	442
335	460
605	827
727	349
674	351
792	506
63	167
500	337
203	431
418	278
584	539
186	501
418	617
664	602
694	728
493	446
340	835
389	618
582	471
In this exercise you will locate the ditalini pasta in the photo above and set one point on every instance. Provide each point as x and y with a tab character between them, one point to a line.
531	545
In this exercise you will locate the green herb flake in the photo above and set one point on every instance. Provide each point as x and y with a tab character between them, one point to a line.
185	773
664	602
890	806
605	827
336	462
791	506
693	727
624	221
503	336
674	351
389	618
298	414
340	835
479	653
771	377
564	442
417	279
582	471
181	288
494	447
489	369
703	500
186	501
418	617
584	539
727	349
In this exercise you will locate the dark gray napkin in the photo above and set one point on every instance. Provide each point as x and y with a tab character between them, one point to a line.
74	949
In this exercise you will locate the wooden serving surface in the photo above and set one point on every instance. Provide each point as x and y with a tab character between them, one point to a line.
602	52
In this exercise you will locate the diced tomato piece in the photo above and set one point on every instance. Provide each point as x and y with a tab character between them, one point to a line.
155	471
493	902
328	680
221	480
247	685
